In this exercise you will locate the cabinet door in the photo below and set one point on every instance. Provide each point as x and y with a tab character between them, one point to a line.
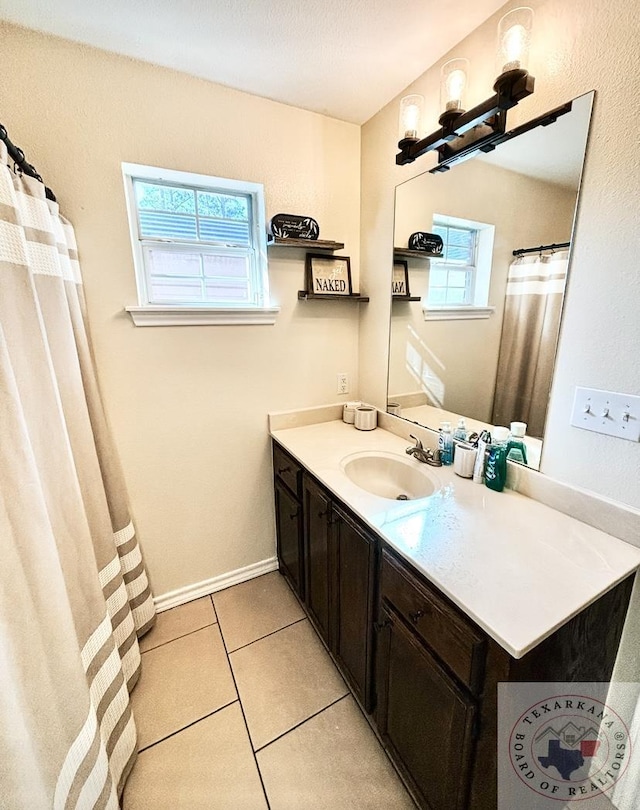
289	534
355	566
424	717
318	557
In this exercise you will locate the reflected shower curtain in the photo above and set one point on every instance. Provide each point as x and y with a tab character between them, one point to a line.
533	304
74	593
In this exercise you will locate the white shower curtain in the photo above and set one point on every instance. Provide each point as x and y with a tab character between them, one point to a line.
74	593
533	305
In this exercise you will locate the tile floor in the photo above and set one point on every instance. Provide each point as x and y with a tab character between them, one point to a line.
239	707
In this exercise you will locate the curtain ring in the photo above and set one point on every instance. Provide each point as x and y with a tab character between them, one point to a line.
17	169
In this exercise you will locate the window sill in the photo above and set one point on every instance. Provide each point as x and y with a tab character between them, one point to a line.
457	313
201	316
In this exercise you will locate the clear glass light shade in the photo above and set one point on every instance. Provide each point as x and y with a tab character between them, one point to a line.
514	40
411	108
453	83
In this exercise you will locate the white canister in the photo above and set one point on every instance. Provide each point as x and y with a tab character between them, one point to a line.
464	460
366	418
349	411
394	408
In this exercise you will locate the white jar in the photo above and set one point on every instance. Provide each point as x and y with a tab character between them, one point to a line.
366	418
349	411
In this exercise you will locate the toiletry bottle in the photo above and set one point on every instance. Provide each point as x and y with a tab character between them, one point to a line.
516	448
445	443
460	433
484	440
495	474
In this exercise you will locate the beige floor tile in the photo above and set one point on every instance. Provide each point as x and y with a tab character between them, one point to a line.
178	622
332	761
181	682
255	608
208	766
283	679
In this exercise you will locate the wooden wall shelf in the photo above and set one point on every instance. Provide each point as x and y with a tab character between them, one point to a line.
303	295
311	244
407	253
406	298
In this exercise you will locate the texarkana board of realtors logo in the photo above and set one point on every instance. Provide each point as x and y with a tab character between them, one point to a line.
565	747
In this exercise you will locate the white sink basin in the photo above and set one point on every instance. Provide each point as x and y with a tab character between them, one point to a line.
389	475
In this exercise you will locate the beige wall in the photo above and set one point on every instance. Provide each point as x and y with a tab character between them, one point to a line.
188	405
463	354
578	47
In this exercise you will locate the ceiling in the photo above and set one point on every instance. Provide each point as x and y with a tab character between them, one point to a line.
342	58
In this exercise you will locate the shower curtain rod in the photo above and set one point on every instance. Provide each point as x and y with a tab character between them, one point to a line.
559	246
18	157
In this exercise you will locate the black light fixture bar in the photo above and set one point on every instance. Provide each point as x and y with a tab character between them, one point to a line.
450	156
510	87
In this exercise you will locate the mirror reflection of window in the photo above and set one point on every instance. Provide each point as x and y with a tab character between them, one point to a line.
451	280
461	277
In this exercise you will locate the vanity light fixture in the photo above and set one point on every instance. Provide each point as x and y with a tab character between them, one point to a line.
464	133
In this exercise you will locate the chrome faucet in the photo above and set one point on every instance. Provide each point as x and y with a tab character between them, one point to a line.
427	456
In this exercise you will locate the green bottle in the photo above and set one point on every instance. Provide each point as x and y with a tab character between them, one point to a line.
516	448
495	475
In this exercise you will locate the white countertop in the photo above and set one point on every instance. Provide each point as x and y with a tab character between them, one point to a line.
515	566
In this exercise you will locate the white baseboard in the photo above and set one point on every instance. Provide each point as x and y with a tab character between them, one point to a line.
190	592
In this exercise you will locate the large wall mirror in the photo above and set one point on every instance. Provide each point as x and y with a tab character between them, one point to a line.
477	335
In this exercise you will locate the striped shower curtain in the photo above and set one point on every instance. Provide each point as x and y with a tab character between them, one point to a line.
74	593
533	305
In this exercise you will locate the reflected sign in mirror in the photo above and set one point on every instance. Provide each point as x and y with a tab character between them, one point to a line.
481	340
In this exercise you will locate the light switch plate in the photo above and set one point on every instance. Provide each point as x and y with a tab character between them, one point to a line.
607	412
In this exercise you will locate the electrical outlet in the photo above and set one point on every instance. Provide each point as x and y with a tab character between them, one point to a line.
343	383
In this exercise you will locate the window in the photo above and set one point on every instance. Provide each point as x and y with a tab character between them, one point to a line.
459	281
199	248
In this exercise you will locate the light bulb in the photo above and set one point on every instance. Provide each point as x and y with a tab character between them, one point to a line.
411	116
513	45
453	82
514	40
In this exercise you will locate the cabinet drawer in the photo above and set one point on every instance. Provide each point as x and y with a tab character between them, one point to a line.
287	470
458	643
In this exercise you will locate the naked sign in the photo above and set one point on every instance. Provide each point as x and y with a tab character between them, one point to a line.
328	275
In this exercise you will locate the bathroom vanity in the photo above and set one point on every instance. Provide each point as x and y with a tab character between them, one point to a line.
427	605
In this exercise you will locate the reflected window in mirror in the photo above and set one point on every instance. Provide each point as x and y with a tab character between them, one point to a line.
462	277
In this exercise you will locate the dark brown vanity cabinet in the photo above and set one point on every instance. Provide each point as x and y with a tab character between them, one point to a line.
287	488
429	664
319	557
355	565
340	561
426	673
437	676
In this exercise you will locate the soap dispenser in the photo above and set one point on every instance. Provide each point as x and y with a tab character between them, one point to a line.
445	443
460	433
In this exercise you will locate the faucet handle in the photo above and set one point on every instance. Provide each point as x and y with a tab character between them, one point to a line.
417	441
